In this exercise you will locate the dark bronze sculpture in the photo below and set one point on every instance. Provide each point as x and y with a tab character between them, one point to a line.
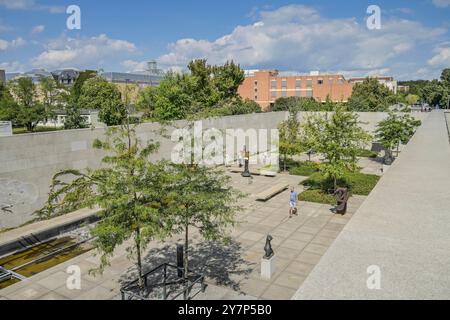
341	195
268	248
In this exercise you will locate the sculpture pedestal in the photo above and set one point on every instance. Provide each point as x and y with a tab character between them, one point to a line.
267	268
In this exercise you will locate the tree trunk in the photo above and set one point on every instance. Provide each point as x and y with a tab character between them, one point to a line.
186	260
139	258
398	149
285	159
335	183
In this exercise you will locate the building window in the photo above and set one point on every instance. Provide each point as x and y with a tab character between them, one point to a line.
309	93
309	83
283	84
298	93
256	97
320	82
298	83
284	93
273	84
273	94
256	83
256	89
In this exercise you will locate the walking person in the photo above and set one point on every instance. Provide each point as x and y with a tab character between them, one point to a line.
293	203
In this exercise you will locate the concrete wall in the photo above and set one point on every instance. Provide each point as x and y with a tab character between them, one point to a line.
29	161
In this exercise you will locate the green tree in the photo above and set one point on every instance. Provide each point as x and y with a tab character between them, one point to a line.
227	79
338	138
411	99
298	104
290	143
129	189
370	96
396	129
29	110
8	106
74	119
201	198
79	82
52	96
99	94
445	76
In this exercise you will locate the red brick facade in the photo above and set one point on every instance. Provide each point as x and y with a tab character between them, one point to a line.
264	87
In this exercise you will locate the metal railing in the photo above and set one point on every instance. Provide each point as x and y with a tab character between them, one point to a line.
132	291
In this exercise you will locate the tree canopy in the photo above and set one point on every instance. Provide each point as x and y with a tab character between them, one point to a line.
396	129
338	138
370	96
99	94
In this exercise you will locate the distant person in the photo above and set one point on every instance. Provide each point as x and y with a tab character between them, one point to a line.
293	203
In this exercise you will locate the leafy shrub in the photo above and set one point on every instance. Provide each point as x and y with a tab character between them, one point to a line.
303	168
366	153
320	187
318	196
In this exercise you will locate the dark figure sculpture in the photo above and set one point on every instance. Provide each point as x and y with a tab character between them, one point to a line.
268	248
388	157
341	195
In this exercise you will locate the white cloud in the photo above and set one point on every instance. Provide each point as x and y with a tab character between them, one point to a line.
441	57
5	45
296	37
65	51
17	4
14	66
30	5
441	3
134	66
38	29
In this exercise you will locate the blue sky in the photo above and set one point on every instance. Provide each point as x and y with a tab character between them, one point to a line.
293	36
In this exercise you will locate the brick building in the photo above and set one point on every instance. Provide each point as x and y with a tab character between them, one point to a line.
266	86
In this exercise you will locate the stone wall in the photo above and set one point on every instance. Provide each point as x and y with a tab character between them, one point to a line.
29	161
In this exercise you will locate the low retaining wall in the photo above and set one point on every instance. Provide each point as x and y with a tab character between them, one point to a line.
29	161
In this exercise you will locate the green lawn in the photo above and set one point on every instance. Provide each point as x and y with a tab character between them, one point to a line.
303	168
319	187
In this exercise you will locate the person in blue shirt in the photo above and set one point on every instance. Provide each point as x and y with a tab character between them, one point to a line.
293	203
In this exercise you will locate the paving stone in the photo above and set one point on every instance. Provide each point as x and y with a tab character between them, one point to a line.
308	257
310	230
294	245
30	292
97	293
316	248
277	292
74	293
326	241
301	236
251	235
54	281
290	280
253	287
300	268
53	296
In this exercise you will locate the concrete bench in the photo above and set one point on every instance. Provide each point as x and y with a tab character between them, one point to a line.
272	191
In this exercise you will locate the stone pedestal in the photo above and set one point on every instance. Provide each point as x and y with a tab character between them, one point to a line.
267	268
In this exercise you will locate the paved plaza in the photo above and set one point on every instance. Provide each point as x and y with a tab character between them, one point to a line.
232	270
